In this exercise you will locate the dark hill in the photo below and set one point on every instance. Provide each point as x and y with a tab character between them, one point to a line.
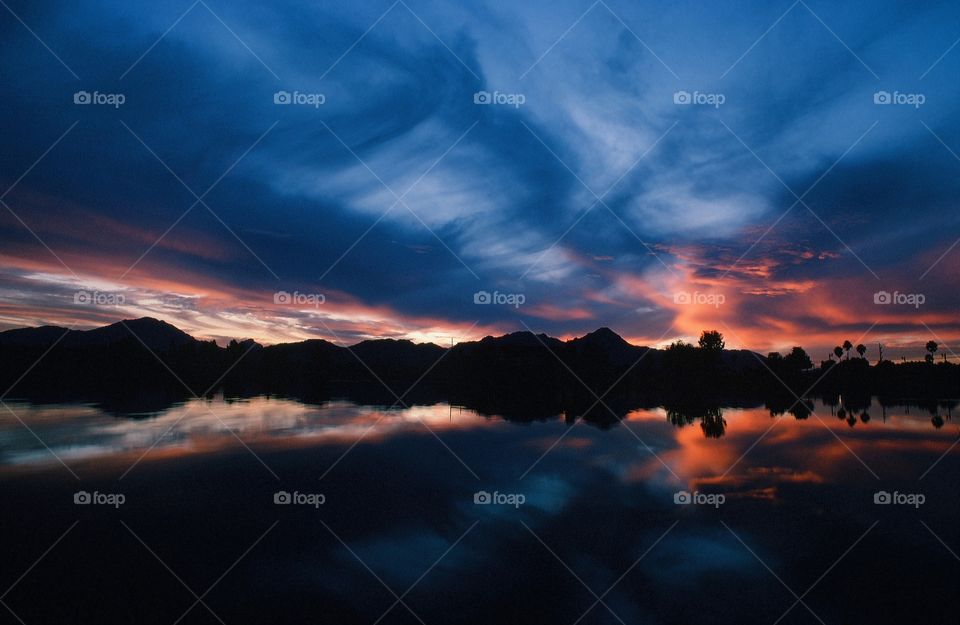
605	345
32	337
520	373
158	335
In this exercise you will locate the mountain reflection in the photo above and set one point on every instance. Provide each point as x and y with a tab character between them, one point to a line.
84	432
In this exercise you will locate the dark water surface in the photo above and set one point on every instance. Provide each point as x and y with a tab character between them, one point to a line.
585	528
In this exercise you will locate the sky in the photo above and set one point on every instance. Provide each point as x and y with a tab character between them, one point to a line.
784	172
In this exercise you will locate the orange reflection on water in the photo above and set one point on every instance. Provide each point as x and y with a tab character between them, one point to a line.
758	452
749	453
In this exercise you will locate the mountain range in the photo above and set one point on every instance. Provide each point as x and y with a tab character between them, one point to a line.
146	354
602	346
142	360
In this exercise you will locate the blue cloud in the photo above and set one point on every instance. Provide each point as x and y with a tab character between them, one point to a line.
493	186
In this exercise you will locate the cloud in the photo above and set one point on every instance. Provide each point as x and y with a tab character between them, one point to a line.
500	197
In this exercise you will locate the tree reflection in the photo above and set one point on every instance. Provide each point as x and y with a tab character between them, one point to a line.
711	418
713	424
800	409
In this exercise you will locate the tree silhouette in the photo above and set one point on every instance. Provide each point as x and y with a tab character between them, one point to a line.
861	349
711	341
847	346
932	348
798	360
838	351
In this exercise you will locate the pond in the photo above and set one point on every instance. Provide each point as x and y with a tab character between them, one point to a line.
268	509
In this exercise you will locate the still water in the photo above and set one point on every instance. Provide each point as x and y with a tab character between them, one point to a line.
273	510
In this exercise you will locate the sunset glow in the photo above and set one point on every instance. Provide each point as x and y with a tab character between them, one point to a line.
398	207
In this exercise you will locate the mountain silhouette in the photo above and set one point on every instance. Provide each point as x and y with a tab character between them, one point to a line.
521	372
156	334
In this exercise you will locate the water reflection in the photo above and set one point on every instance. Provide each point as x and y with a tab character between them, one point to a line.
710	417
83	432
598	496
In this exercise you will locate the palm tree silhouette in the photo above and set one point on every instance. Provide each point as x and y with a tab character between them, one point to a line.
838	351
861	349
847	346
932	348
